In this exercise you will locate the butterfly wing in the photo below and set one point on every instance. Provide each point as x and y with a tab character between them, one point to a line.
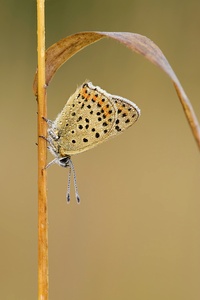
90	117
127	114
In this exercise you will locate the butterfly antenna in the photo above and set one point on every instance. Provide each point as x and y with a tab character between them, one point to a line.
68	185
71	166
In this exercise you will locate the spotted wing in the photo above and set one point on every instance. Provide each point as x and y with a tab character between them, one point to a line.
127	114
90	117
86	120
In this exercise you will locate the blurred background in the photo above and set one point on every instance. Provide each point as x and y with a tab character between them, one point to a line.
136	233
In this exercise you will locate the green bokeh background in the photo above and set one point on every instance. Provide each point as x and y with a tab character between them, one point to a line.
136	233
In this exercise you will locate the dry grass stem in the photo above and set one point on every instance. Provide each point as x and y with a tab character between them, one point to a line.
42	195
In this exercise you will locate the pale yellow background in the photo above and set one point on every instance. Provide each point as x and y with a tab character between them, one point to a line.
136	233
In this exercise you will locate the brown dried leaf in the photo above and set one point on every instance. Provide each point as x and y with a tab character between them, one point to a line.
61	51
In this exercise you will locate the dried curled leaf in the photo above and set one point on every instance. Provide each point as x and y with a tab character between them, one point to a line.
61	51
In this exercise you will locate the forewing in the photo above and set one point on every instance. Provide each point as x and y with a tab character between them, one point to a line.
86	120
91	116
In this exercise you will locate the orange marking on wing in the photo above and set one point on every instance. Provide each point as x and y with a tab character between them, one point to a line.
85	96
93	96
84	93
101	103
106	111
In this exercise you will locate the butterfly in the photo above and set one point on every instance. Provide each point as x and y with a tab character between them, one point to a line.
90	117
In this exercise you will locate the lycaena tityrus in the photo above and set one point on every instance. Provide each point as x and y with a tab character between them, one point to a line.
90	117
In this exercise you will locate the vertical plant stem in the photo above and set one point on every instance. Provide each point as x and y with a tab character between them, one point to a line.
42	127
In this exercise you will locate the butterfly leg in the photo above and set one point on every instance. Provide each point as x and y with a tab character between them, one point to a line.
49	122
51	146
51	130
